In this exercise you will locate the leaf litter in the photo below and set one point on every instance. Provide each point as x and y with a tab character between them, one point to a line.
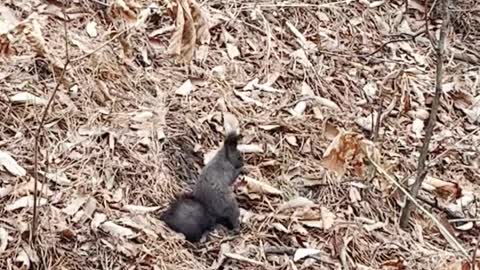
124	131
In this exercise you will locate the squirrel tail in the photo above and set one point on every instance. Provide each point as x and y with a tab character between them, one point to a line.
188	216
231	142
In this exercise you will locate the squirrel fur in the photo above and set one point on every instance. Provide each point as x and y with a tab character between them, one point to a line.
212	200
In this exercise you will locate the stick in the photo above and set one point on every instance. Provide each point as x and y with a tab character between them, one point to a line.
41	126
421	168
450	239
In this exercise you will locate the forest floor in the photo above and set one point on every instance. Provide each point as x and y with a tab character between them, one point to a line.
139	108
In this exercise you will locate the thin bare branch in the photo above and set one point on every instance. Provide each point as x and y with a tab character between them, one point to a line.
40	128
421	168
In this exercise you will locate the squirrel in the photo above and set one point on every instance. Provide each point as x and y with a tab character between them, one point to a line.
212	200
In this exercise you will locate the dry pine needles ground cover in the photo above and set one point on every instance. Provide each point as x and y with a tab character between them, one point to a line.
140	107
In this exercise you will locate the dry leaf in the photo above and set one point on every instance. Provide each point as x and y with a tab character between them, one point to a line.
185	89
59	177
97	220
29	188
143	116
370	89
140	209
244	96
328	218
296	203
117	230
242	258
299	108
3	239
75	205
91	29
269	127
327	103
7	162
259	187
304	252
300	56
188	15
292	140
232	51
4	191
25	202
22	258
8	20
345	149
354	195
250	148
417	127
367	122
280	227
374	226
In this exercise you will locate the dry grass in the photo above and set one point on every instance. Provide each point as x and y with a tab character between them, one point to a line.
113	161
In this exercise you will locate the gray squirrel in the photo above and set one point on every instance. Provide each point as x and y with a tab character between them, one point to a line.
212	200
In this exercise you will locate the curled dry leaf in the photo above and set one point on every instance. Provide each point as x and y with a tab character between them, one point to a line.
7	162
259	187
346	149
190	26
185	89
27	98
117	230
304	252
296	203
3	239
25	202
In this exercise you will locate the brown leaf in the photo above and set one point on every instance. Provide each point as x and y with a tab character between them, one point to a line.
344	150
190	25
395	264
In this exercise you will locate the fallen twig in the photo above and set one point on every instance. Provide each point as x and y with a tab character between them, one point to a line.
450	238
